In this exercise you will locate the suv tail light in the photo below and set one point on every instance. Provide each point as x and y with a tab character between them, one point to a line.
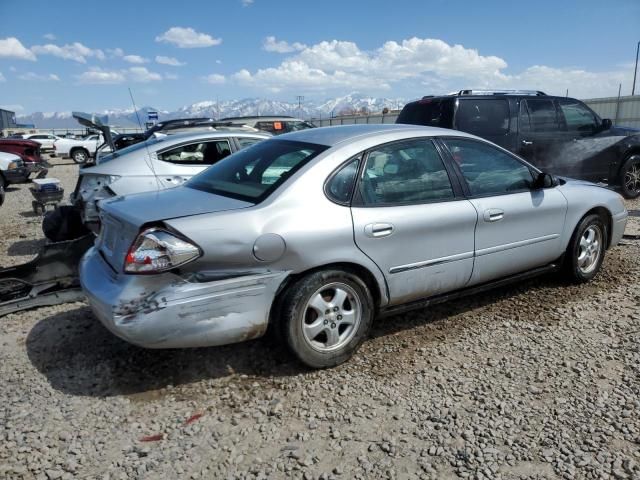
156	250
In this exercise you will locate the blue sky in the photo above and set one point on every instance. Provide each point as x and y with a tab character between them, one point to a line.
57	56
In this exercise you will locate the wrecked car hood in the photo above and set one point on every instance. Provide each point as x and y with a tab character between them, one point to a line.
147	207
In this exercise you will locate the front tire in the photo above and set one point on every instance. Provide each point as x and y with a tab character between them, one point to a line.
80	156
586	250
630	177
325	317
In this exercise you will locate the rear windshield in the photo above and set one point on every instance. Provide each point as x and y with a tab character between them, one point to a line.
436	112
254	173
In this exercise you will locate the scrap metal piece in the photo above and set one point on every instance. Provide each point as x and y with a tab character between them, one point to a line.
51	278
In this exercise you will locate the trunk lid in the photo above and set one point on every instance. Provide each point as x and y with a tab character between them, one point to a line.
123	218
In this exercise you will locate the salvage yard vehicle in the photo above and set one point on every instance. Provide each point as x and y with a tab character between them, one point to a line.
272	124
80	151
46	140
560	135
29	152
316	232
156	164
12	170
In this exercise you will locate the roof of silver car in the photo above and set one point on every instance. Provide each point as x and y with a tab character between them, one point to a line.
334	135
213	134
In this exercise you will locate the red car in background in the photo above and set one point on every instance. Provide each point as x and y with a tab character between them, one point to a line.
29	152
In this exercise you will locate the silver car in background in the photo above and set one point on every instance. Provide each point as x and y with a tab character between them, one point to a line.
317	232
161	162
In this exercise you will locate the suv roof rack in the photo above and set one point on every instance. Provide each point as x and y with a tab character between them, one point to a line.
501	92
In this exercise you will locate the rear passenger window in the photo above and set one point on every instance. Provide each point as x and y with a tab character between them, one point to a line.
407	172
201	153
340	186
538	115
488	170
483	117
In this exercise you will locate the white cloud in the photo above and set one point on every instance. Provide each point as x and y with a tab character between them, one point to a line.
49	36
74	51
174	62
99	76
13	69
141	74
11	47
135	59
132	74
187	38
218	62
410	64
246	3
115	52
215	79
2	79
35	77
171	76
270	44
12	108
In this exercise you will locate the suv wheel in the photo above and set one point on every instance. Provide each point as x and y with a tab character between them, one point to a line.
586	249
630	175
80	156
1	190
326	316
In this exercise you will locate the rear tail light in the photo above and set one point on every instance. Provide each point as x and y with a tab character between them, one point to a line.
156	250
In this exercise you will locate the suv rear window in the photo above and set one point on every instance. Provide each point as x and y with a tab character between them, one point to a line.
483	116
437	112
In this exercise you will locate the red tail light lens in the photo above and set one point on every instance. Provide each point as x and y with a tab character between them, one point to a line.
156	250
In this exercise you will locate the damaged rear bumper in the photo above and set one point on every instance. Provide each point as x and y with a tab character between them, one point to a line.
169	311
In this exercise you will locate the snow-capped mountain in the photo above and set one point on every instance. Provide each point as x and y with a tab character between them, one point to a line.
348	104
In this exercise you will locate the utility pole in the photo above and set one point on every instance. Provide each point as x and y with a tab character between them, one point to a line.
300	99
635	71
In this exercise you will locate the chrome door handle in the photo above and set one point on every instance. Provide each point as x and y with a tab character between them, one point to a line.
493	215
526	143
377	230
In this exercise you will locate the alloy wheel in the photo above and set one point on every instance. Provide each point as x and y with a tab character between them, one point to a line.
331	317
590	249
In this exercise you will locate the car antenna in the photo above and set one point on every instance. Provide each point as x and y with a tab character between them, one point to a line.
148	160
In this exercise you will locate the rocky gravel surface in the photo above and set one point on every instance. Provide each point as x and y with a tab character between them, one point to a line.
538	380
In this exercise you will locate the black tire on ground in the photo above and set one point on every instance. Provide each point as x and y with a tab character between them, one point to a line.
586	249
79	155
630	177
63	223
2	184
296	317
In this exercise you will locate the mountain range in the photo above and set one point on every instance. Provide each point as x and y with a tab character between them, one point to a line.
348	104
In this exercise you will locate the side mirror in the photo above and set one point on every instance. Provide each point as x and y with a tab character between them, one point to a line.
543	180
606	123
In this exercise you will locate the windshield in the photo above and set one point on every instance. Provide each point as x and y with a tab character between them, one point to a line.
132	148
255	172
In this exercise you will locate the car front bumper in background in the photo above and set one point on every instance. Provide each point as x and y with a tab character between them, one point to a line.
168	311
16	175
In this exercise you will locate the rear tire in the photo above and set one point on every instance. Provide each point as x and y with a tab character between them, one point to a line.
630	177
325	316
586	250
80	156
2	184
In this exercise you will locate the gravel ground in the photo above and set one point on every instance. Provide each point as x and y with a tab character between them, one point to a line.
539	380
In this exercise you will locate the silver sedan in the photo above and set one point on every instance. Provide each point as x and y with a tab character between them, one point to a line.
317	232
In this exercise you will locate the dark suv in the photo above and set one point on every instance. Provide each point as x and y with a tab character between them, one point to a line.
559	135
